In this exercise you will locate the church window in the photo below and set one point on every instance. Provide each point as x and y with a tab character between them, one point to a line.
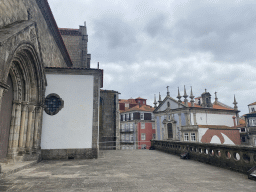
53	104
185	136
193	137
168	104
142	125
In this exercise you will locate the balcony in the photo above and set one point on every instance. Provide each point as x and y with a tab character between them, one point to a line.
126	130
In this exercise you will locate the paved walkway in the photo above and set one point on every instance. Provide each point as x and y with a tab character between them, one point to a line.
138	170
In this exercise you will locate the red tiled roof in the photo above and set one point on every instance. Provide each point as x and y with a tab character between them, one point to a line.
140	108
214	106
252	104
141	98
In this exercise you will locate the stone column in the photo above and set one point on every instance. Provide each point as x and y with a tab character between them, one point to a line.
29	130
180	125
22	127
16	132
12	126
38	114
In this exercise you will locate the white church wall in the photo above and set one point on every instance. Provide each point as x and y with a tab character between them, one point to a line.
192	119
173	105
71	127
214	119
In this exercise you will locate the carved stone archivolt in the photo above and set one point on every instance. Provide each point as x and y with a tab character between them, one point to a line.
24	65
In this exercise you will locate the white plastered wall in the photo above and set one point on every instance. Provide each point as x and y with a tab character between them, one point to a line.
214	119
71	127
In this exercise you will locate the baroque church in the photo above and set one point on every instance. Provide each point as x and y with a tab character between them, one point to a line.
49	95
197	120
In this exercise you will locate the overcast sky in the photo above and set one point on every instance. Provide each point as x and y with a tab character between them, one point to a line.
145	45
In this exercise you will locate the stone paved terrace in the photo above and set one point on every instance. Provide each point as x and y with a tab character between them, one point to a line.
138	170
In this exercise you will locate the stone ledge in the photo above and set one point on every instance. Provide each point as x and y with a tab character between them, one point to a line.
58	154
7	169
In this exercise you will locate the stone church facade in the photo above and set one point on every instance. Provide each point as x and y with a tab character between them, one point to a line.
31	49
199	120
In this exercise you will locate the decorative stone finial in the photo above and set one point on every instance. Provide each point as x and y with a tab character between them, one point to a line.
216	98
192	98
155	103
185	96
235	103
160	100
179	95
168	93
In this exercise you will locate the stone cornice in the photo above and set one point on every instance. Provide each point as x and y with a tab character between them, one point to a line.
76	71
48	16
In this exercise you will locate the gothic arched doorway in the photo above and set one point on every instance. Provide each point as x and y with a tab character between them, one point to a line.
21	105
169	128
5	118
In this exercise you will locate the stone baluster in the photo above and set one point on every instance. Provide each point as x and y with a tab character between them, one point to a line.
30	126
22	127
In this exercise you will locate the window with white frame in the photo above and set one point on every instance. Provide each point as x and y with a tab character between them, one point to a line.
126	104
131	126
193	136
123	128
131	137
185	136
123	117
253	110
143	136
142	125
122	137
141	116
131	116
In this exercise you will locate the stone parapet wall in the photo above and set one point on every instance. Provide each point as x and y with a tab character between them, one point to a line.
237	158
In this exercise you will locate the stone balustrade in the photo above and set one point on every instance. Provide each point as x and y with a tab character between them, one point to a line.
235	157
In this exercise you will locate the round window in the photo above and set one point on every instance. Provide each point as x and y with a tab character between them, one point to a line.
53	104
